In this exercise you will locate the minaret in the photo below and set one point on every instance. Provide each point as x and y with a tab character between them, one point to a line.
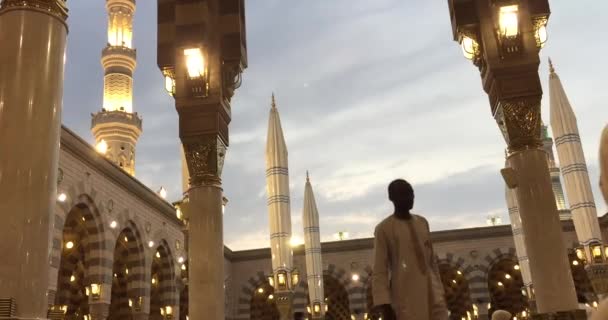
279	213
520	247
312	244
554	170
116	128
576	181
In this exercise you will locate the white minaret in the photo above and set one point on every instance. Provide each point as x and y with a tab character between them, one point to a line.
279	212
312	244
572	163
518	237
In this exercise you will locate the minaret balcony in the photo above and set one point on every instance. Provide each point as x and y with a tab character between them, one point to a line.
110	117
119	50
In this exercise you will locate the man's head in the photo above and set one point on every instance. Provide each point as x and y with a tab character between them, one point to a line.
401	193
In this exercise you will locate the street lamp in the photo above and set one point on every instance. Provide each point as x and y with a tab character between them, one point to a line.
201	53
503	39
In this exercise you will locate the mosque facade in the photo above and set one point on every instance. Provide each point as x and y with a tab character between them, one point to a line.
119	249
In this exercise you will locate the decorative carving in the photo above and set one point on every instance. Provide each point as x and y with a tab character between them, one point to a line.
598	276
55	8
205	159
59	176
520	123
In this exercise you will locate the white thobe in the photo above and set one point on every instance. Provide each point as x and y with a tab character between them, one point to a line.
405	274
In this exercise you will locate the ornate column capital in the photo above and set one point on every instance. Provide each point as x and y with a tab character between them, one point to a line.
205	158
598	276
57	8
519	120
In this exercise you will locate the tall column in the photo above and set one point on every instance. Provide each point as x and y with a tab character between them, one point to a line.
312	245
279	213
201	53
520	247
116	127
503	40
578	185
32	58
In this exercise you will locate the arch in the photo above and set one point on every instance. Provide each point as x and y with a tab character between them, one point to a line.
163	290
456	288
79	223
337	299
263	306
584	290
505	285
247	292
128	285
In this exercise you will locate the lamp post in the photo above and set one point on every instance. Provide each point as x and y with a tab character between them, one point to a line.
202	52
503	39
284	287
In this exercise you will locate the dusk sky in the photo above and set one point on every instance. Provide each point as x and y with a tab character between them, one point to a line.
367	90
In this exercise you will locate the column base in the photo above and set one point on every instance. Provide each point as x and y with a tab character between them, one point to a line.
284	303
561	315
598	276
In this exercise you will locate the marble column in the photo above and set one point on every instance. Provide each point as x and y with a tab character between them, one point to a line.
520	247
528	174
205	227
32	58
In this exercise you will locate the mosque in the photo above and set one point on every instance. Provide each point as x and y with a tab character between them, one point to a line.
119	249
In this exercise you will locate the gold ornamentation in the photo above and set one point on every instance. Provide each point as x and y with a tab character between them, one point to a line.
520	123
56	8
598	276
205	159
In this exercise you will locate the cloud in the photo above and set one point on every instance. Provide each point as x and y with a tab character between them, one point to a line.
368	91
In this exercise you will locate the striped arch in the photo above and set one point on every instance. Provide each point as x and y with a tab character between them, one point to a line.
129	285
163	290
505	281
79	221
247	292
454	278
357	291
334	281
300	297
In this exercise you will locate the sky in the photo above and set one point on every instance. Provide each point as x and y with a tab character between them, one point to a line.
368	91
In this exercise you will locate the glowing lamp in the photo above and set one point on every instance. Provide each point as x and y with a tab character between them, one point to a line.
102	147
157	254
516	267
169	312
113	224
169	83
184	267
597	251
270	297
355	277
308	309
62	197
295	277
469	47
130	303
282	279
580	254
326	307
150	244
260	290
316	308
95	291
508	21
195	62
162	192
69	245
541	35
271	281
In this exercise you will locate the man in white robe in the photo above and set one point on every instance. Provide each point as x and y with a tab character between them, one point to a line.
405	280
